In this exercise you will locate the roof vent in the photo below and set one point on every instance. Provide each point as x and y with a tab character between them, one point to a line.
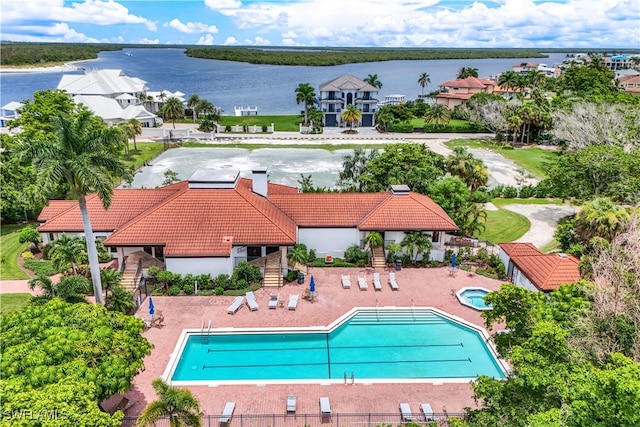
214	178
400	190
561	255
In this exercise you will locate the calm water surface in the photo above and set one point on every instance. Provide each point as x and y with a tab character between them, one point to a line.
269	87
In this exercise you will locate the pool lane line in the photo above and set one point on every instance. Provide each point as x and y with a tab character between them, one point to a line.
335	347
335	363
328	357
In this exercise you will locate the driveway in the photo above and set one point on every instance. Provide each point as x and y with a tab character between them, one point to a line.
544	219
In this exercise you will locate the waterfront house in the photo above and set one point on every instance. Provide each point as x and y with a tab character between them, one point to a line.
337	94
630	84
216	219
111	95
529	268
457	92
9	112
526	67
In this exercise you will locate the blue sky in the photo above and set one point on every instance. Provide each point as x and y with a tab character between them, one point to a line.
392	23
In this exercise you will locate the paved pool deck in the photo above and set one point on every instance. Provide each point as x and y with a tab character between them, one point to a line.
419	287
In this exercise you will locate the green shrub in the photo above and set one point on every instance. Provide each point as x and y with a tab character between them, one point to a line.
27	255
223	281
526	192
264	128
227	128
487	272
204	282
240	284
312	255
188	288
483	254
44	268
153	271
292	275
207	293
434	263
219	290
510	192
357	256
188	280
174	290
246	272
401	128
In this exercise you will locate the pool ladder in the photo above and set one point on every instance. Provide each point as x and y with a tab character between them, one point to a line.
205	337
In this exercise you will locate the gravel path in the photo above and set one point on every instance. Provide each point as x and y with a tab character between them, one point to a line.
544	219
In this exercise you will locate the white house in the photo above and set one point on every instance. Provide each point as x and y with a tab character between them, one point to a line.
527	267
112	112
10	112
337	94
216	219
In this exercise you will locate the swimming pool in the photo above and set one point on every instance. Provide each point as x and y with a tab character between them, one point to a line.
372	345
473	298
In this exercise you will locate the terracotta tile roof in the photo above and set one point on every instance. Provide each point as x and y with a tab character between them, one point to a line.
347	82
517	248
55	208
328	209
408	212
126	204
548	271
199	222
469	82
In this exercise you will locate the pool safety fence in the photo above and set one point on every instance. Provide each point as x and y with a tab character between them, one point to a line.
317	420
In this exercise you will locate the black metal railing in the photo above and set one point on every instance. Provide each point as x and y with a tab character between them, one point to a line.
317	420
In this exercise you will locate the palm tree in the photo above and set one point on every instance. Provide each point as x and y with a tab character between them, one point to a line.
137	130
438	114
509	79
70	289
306	95
316	117
173	109
351	115
179	405
127	133
66	253
424	81
372	79
600	217
460	162
477	178
472	219
45	284
121	300
110	279
298	255
192	103
465	72
353	167
83	157
416	242
374	239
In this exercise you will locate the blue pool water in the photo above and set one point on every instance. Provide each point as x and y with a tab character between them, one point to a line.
418	344
476	298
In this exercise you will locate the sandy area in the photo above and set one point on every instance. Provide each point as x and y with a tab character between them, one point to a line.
31	70
544	219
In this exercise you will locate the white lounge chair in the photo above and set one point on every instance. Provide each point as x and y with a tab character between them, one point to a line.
251	301
227	413
273	300
293	301
362	283
427	411
325	409
346	282
405	412
392	281
235	305
291	403
376	282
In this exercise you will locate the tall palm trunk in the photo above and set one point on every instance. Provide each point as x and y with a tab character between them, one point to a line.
92	251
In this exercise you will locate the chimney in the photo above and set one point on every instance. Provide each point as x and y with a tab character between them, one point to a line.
400	190
259	176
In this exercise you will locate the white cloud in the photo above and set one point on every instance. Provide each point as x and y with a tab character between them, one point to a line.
231	41
55	33
223	4
148	41
191	27
207	39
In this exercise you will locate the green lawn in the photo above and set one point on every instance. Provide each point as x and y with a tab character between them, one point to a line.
11	250
282	123
504	226
13	302
499	202
454	123
147	151
532	159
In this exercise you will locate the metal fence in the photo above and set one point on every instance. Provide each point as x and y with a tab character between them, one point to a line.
316	420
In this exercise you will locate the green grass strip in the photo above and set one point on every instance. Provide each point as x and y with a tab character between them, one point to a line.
13	302
11	250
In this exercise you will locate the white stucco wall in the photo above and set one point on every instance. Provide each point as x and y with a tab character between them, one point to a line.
213	266
521	280
45	236
332	241
504	258
437	250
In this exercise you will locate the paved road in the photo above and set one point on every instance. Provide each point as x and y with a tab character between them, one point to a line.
544	219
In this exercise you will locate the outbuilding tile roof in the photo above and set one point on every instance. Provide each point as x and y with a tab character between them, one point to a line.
546	271
469	82
54	208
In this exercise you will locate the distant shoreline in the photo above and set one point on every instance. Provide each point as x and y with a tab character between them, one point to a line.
66	67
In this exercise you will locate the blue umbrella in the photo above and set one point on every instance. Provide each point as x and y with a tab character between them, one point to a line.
453	260
312	285
152	309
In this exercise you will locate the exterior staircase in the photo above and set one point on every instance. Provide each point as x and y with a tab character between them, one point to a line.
129	280
272	269
378	259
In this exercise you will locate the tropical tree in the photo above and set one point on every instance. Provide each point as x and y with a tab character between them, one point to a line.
316	117
353	166
137	130
192	103
469	169
372	79
127	133
416	242
600	217
438	114
172	110
307	96
509	80
84	158
45	284
423	81
110	278
374	239
179	405
30	235
66	253
121	300
465	72
351	115
298	255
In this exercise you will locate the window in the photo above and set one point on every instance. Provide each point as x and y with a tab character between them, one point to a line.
435	236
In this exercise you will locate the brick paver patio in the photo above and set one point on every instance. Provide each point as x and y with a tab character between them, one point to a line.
422	287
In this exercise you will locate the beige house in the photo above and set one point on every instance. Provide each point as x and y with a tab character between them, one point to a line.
630	84
457	92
